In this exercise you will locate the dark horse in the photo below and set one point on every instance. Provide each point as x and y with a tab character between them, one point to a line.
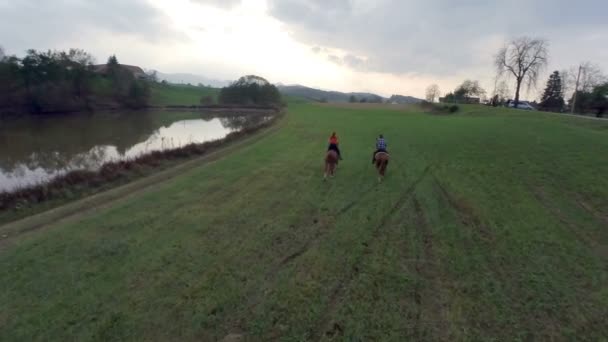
381	159
331	160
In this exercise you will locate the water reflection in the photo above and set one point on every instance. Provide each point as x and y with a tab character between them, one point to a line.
34	150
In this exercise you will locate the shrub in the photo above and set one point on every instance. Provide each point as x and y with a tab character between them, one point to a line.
454	109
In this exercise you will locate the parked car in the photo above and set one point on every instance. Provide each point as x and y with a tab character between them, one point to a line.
525	105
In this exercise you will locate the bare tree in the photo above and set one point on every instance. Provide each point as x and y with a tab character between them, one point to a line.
568	81
502	90
524	58
152	76
80	56
432	93
584	79
591	76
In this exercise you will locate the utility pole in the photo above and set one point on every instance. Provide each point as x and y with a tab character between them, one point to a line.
578	78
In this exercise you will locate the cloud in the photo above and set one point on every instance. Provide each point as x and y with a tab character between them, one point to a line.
335	59
351	61
48	24
355	62
226	4
434	37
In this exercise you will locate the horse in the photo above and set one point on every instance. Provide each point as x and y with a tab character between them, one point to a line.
331	160
381	159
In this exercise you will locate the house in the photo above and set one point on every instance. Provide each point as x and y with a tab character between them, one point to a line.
138	72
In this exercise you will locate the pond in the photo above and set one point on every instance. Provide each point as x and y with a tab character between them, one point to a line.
36	149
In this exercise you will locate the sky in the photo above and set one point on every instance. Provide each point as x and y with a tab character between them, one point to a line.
382	46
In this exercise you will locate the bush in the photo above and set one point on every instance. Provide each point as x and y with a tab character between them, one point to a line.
439	108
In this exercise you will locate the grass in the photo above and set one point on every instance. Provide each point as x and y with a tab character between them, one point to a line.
490	225
175	94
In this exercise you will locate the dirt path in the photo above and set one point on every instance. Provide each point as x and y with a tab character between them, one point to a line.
95	203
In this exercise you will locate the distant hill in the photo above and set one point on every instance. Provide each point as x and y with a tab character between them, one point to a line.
404	99
191	79
336	96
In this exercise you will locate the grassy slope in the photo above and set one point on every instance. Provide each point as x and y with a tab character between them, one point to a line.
487	227
174	94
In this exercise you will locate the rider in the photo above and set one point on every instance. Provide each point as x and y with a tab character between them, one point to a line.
333	144
380	147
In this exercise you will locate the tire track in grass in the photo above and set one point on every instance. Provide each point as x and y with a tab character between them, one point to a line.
430	295
594	242
254	296
597	214
466	213
325	326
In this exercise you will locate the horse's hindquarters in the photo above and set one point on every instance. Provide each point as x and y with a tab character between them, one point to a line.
382	162
331	159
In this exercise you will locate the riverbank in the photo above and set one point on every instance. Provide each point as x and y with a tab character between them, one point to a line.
77	184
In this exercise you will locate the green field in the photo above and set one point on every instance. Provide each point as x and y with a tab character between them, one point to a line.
491	225
163	94
177	94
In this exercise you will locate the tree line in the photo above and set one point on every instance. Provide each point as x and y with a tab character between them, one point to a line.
64	81
523	60
250	90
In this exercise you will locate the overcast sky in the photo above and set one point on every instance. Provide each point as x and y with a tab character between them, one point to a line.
383	46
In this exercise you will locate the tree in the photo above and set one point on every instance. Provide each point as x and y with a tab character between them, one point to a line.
502	91
599	99
2	54
595	101
80	57
468	89
352	99
591	76
553	97
152	76
249	90
584	79
432	93
112	61
524	58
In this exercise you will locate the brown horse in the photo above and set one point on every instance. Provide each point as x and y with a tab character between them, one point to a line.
331	160
381	164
